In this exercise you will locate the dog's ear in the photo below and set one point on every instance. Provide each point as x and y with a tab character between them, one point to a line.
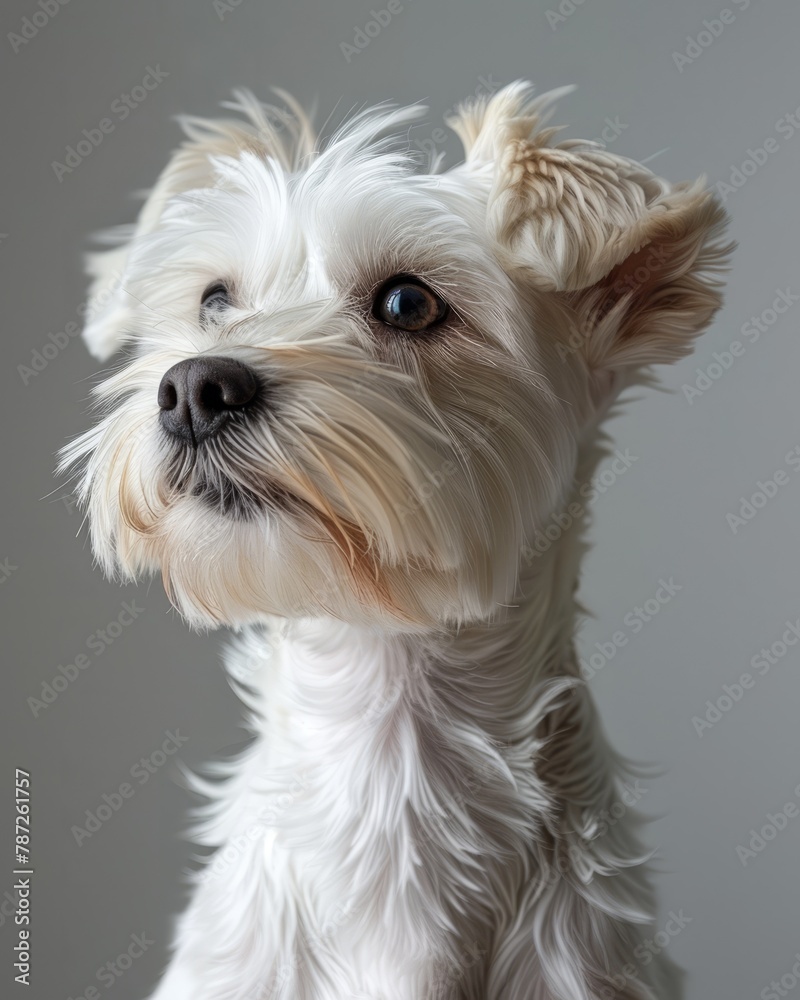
634	260
285	135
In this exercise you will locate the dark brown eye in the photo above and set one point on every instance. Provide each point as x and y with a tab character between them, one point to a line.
216	296
407	304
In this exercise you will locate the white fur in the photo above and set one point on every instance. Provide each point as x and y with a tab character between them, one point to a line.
418	815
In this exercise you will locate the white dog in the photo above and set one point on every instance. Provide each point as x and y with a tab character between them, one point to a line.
355	391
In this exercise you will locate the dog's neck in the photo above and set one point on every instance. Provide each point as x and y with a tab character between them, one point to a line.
340	667
378	750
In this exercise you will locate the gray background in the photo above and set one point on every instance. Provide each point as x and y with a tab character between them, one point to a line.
666	517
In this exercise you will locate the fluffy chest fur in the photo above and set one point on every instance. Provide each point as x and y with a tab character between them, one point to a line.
386	816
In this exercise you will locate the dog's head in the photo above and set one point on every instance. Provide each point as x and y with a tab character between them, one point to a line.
355	387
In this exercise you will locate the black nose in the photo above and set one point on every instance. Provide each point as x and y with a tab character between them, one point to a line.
198	395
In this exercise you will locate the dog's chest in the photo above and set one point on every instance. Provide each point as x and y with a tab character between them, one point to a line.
386	824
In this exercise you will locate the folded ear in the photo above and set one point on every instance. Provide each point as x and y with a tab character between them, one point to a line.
633	259
286	136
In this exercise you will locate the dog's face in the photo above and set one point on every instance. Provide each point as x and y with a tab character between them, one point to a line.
355	388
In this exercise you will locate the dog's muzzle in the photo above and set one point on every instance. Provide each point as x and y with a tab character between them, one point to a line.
198	396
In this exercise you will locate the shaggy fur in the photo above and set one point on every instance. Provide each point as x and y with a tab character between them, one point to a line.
419	813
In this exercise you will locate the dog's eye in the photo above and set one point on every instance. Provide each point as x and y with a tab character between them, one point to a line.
216	296
406	303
